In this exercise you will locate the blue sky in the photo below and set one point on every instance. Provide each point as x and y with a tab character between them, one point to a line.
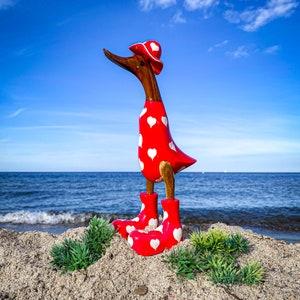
230	83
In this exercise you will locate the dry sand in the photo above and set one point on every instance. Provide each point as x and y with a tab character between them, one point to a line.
26	272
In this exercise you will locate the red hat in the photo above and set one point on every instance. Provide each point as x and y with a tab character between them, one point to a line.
150	50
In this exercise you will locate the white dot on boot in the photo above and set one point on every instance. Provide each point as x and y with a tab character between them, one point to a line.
177	234
166	215
129	228
152	223
154	243
130	241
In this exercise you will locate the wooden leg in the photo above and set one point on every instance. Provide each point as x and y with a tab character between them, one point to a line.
167	174
149	187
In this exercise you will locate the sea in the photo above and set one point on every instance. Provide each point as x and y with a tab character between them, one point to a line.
266	203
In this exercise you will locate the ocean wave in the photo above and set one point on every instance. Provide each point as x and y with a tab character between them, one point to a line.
44	217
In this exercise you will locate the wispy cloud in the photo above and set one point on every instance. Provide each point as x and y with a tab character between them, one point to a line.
147	5
178	18
254	18
218	45
200	4
16	113
272	50
250	19
241	51
5	4
246	50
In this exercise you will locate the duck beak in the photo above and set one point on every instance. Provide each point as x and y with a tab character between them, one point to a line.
126	63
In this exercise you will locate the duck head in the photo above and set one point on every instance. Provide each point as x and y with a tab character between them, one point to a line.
141	64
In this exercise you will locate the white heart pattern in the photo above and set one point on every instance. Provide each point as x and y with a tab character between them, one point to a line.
166	215
152	153
136	219
143	111
153	223
130	241
140	140
154	47
141	165
151	121
172	146
160	228
129	228
165	121
177	234
154	243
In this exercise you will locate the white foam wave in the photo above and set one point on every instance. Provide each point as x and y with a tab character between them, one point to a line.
41	217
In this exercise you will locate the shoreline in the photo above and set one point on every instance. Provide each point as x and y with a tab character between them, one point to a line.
289	236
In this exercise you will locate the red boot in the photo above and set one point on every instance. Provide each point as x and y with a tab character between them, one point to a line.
168	234
147	218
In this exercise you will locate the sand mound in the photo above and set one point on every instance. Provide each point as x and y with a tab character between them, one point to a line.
26	272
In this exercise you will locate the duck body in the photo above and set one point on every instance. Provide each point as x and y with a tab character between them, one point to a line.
156	143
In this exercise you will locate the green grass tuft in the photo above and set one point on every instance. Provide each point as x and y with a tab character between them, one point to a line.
184	261
252	273
223	270
213	242
78	254
217	241
215	254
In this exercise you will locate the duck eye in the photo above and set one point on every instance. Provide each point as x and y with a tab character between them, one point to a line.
142	63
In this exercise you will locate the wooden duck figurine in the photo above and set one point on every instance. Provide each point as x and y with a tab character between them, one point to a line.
159	158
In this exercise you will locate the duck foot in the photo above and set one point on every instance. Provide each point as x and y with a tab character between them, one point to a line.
147	219
167	235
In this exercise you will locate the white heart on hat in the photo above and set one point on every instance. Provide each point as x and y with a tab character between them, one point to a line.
154	47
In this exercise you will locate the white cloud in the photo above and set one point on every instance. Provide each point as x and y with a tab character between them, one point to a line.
218	45
4	4
241	51
178	18
199	4
16	113
254	18
147	5
272	50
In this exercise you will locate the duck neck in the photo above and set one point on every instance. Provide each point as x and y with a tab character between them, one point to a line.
150	86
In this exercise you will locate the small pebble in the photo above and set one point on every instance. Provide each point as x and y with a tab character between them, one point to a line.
141	290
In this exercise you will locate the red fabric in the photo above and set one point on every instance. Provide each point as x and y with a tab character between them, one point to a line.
156	143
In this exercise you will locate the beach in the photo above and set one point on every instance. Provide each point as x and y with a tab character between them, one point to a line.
26	271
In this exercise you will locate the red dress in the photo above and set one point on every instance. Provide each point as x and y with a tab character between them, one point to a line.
156	143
